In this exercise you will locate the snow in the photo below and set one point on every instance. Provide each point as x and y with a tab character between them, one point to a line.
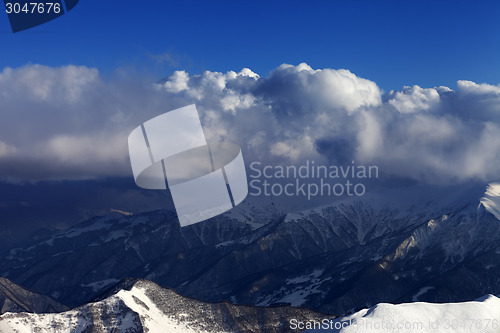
480	316
104	222
297	298
297	291
100	285
421	292
112	235
151	316
491	199
61	253
71	321
305	278
77	320
254	216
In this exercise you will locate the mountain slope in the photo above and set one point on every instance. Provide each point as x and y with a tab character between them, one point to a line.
480	316
143	306
14	298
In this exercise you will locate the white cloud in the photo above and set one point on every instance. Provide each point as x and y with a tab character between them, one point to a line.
414	99
369	136
293	149
6	149
177	82
70	122
469	87
44	83
66	122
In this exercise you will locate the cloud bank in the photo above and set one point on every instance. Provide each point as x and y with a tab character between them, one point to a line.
71	123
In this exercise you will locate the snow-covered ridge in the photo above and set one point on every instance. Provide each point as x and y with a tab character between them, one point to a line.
143	306
480	316
491	199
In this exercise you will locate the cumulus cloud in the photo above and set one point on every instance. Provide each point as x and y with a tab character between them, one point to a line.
70	122
67	123
413	99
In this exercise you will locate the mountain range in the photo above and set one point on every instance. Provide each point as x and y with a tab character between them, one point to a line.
438	244
142	306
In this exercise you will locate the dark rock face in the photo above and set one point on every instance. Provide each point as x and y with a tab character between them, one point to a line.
14	298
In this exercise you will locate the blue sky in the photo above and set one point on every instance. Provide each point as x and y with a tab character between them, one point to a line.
393	43
79	118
